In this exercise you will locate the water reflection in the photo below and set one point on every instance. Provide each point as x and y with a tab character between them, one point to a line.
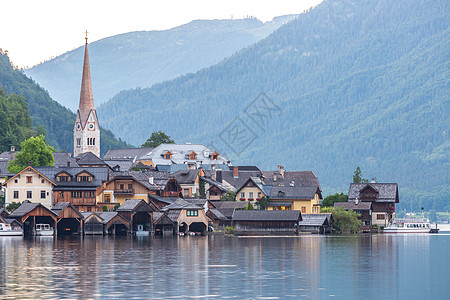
350	267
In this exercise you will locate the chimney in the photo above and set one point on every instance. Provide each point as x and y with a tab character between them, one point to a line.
213	175
13	148
68	163
235	172
150	180
281	170
219	176
374	180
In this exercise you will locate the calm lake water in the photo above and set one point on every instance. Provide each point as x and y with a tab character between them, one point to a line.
312	267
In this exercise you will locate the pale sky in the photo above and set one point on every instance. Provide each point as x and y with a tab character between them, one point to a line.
35	30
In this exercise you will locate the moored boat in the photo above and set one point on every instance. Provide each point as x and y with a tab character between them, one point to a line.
6	230
44	230
408	226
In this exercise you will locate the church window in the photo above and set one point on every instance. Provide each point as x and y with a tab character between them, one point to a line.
88	141
93	141
78	141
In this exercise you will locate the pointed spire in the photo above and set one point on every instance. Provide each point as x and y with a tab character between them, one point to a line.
86	96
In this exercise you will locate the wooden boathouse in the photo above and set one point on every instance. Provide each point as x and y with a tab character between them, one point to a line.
69	220
138	213
29	214
266	222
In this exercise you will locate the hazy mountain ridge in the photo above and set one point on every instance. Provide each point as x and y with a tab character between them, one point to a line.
142	58
359	83
57	120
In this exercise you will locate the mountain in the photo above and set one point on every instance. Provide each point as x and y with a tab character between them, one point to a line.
353	83
57	121
140	59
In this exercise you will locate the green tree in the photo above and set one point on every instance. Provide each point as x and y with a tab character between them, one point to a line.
34	150
202	189
157	138
331	199
249	207
13	206
105	208
116	206
357	176
263	203
344	221
229	196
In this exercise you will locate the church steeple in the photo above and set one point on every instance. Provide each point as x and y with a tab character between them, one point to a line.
86	96
86	132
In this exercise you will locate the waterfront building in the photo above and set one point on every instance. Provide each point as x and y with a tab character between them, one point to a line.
382	197
188	217
29	214
139	214
304	198
86	130
253	190
249	222
316	223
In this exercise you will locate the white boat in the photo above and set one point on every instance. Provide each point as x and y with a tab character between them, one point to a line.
44	230
408	226
6	230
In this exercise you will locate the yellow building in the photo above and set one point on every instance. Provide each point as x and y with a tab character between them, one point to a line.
30	185
303	198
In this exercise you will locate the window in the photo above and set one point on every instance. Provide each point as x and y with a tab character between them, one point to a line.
168	155
191	213
186	192
42	181
193	156
16	181
42	194
380	217
89	194
78	142
242	194
107	198
303	209
259	194
250	195
76	194
61	195
130	186
121	186
84	178
93	141
16	195
29	179
89	208
29	194
63	178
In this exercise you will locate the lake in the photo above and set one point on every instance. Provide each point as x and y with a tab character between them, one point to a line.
378	266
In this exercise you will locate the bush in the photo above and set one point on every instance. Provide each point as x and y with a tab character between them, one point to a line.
229	230
105	208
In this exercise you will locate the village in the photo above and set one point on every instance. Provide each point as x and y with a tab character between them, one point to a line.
170	189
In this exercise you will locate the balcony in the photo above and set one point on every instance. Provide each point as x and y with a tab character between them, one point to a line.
124	191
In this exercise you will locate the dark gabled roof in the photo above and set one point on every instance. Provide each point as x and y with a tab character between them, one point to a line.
217	214
258	183
186	176
352	205
238	181
227	207
131	204
159	178
8	155
198	202
212	183
127	153
315	219
137	176
108	216
177	167
60	206
387	192
267	215
63	159
294	192
249	168
30	168
173	214
181	204
3	211
10	221
100	175
166	200
4	168
119	164
25	208
303	178
89	158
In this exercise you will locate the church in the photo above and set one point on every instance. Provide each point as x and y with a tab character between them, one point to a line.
86	131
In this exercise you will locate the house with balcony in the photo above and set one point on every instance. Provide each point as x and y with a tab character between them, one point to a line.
126	185
381	196
189	181
76	185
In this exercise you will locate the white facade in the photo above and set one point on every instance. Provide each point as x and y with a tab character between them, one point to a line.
87	136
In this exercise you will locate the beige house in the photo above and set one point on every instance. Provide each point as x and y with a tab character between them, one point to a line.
303	198
188	216
30	185
252	190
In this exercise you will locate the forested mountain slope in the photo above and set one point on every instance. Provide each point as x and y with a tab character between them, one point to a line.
357	82
56	120
140	59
